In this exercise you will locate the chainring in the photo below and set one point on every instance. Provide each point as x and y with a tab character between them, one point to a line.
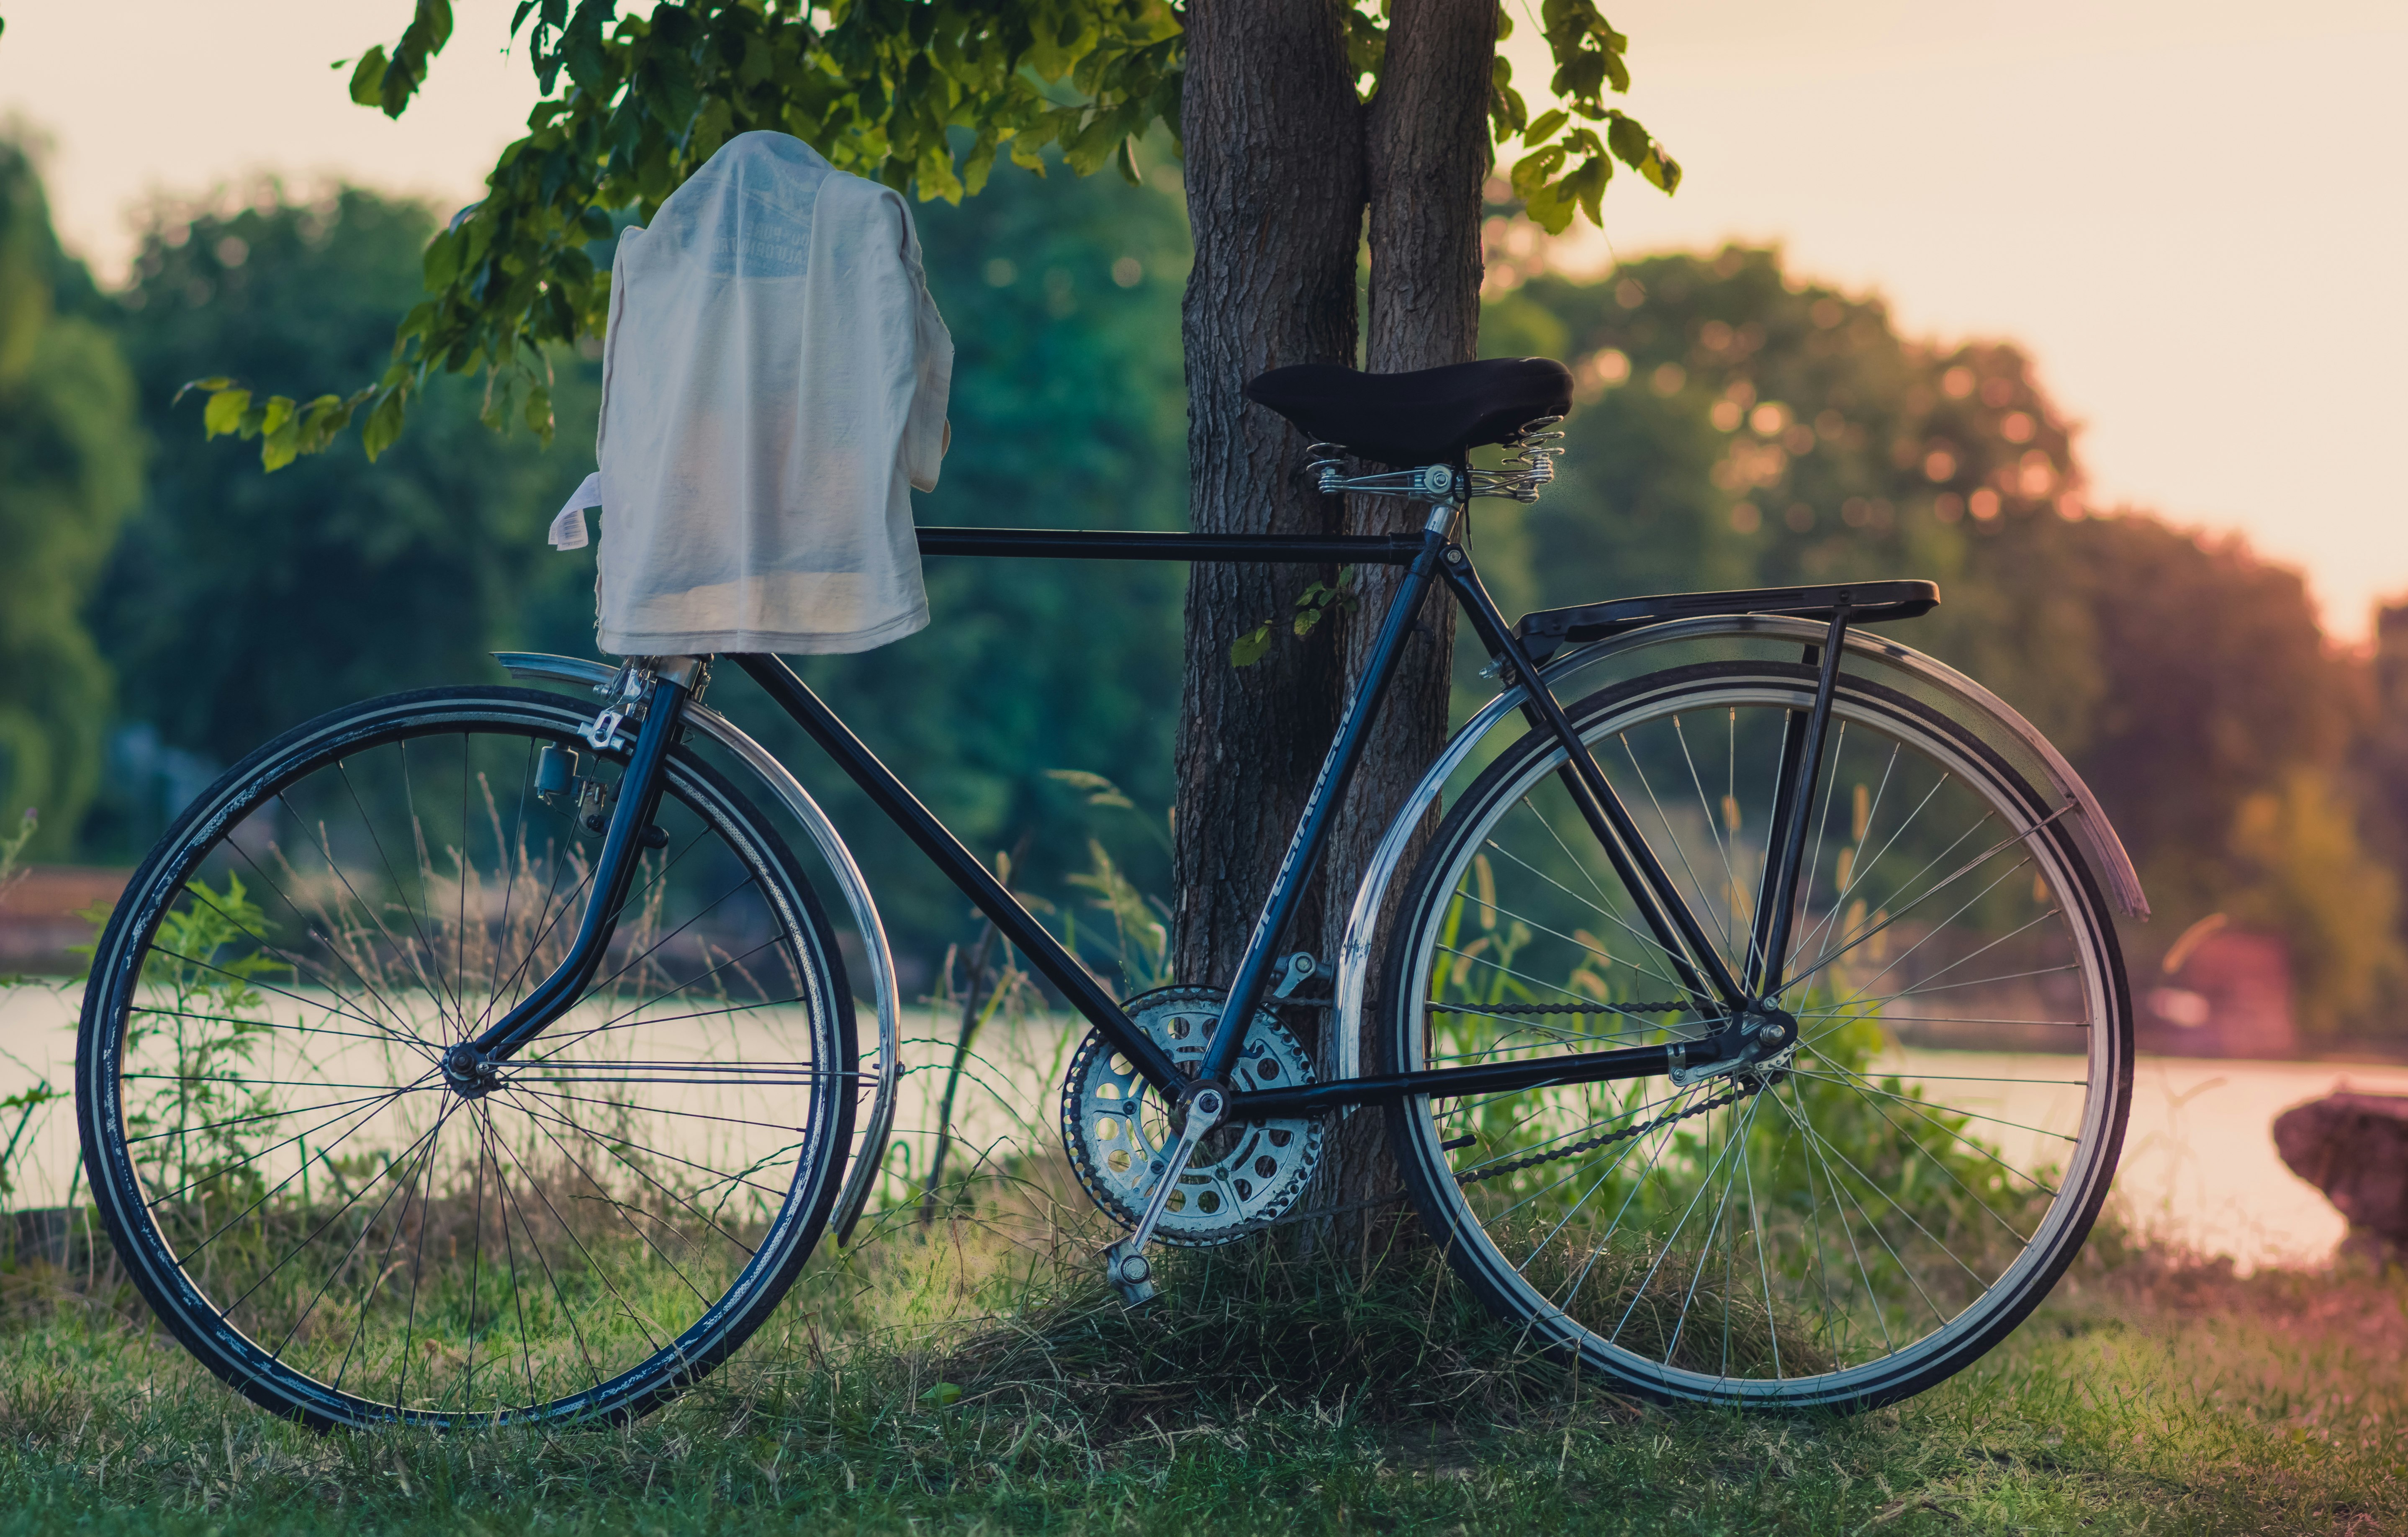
1118	1132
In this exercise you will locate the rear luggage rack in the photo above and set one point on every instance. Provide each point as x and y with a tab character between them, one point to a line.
1545	632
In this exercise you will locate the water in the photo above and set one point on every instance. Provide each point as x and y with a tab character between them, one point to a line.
2198	1165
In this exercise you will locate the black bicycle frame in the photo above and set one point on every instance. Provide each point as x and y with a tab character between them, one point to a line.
1714	991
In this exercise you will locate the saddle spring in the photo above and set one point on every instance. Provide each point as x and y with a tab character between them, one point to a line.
1529	465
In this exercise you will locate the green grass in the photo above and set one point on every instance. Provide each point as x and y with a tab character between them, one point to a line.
964	1383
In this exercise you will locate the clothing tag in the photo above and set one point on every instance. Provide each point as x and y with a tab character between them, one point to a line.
569	528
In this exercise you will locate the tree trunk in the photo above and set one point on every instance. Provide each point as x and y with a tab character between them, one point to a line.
1274	164
1281	161
1427	146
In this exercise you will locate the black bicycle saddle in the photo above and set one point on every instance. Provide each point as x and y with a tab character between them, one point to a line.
1428	416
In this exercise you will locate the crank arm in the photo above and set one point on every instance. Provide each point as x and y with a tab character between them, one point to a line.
1126	1265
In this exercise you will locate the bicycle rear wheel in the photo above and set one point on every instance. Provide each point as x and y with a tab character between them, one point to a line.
1873	1215
348	1241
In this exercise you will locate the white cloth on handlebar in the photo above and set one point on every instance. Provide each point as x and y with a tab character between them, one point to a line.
773	385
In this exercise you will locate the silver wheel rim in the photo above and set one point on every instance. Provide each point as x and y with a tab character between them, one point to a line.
1549	1299
359	1049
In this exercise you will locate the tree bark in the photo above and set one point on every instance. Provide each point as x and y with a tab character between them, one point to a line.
1427	154
1274	166
1281	160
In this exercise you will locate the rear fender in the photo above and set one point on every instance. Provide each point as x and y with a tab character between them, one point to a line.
1925	679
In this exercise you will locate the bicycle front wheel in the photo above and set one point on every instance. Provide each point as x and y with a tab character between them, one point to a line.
346	1240
1890	1200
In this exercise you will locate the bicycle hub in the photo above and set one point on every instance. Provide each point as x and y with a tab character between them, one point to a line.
469	1072
1769	1030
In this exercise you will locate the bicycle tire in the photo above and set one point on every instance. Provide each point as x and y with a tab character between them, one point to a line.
1954	1231
584	1241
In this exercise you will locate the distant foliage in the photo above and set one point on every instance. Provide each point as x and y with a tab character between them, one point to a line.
70	468
1740	426
239	605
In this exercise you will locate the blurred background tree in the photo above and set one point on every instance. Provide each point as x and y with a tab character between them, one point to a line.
70	466
239	604
1743	426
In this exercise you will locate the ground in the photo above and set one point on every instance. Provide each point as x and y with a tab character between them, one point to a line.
951	1382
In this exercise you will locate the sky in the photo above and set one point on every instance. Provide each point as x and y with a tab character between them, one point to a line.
2191	213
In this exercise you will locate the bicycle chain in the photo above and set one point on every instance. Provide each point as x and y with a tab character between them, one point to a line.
1755	1086
1752	1085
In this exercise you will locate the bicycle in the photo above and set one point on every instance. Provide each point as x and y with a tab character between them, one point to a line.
365	1095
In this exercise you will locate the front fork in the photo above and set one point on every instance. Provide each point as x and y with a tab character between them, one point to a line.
655	694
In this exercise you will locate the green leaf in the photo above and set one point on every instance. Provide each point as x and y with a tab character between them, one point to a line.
441	264
385	423
1087	153
1544	129
936	176
434	16
368	78
978	164
1578	78
582	47
1628	139
1046	55
1508	113
1587	187
538	413
224	411
943	1395
1252	646
1533	171
1551	207
209	385
321	419
675	94
280	447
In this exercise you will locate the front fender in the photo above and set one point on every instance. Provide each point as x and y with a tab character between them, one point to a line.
881	961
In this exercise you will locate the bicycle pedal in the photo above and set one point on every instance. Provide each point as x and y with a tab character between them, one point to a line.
1131	1276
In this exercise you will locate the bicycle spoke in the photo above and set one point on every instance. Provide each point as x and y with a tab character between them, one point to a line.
1679	850
1649	941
